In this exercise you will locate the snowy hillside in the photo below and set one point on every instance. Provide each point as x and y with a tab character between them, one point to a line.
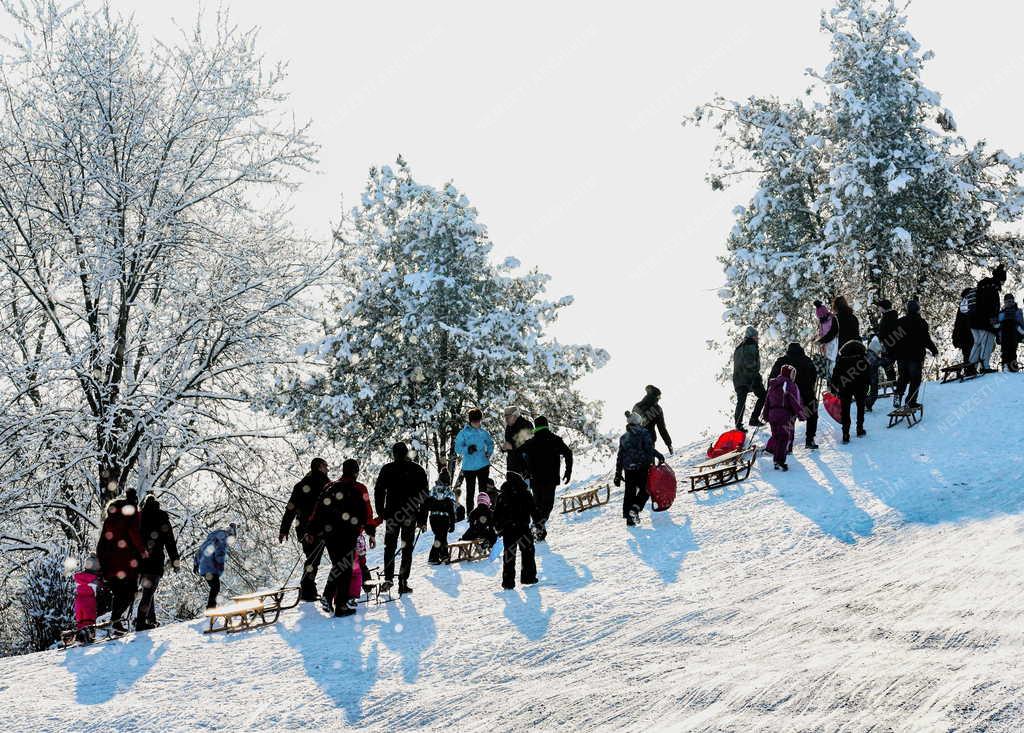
876	586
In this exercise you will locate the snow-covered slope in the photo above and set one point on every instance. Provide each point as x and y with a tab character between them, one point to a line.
876	586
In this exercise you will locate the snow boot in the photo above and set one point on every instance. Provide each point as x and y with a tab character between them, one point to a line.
756	423
811	445
83	637
403	587
508	587
861	432
540	532
631	519
897	401
386	586
846	438
325	603
529	581
347	609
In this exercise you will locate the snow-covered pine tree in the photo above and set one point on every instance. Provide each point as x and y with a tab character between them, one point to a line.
865	189
429	328
47	598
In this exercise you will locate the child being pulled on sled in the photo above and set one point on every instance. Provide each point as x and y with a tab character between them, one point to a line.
441	510
87	584
481	522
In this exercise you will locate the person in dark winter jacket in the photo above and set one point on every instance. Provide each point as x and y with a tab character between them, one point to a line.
985	316
441	513
632	464
304	497
544	453
518	430
513	519
158	536
400	495
852	379
120	552
783	407
887	326
828	331
481	522
963	339
337	520
649	408
847	324
1011	328
474	447
212	557
746	378
807	380
914	339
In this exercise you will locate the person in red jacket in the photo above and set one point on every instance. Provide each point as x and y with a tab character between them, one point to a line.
121	551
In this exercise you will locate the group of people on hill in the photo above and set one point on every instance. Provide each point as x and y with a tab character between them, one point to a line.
983	320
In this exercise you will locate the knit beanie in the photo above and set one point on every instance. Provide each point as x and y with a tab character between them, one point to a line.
482	499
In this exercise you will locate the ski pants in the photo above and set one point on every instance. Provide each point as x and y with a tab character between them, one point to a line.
313	551
782	438
811	410
439	550
1009	351
846	400
741	401
214	581
395	530
544	492
522	538
472	477
910	375
984	345
122	595
146	614
341	549
635	497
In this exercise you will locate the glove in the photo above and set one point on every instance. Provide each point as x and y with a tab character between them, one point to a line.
661	460
373	542
422	527
282	537
471	449
176	566
308	539
618	481
566	478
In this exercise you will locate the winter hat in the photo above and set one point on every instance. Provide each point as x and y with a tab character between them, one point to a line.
751	332
1008	298
913	307
475	415
92	564
350	468
821	311
443	477
132	497
788	370
634	418
817	304
482	499
399	451
884	304
652	391
999	274
511	411
541	423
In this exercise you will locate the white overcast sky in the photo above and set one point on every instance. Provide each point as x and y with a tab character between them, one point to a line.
561	122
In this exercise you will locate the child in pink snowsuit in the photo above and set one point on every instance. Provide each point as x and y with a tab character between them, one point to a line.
781	409
355	588
87	583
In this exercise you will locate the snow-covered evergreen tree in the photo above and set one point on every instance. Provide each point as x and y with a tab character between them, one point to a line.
865	189
429	327
47	598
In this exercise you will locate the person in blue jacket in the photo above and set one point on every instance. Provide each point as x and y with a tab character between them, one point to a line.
211	557
474	446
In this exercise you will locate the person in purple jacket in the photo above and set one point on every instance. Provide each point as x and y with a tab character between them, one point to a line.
782	408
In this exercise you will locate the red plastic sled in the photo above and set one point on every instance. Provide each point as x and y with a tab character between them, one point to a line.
728	442
661	485
833	406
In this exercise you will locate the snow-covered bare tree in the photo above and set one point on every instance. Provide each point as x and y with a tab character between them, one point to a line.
150	278
864	187
429	328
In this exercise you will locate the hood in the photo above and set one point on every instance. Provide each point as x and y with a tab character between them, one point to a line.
795	349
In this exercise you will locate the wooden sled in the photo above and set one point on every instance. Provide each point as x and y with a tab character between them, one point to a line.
730	468
913	415
272	600
372	588
68	637
957	373
467	550
241	616
886	387
587	499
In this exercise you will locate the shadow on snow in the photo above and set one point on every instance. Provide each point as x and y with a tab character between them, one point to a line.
111	668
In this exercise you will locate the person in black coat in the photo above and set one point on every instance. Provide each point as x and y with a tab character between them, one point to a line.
400	498
914	340
518	430
847	324
442	515
987	303
963	339
649	408
513	518
481	522
544	453
807	381
338	517
303	499
887	326
158	536
852	379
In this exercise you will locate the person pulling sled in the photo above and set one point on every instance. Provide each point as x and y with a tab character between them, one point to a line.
634	460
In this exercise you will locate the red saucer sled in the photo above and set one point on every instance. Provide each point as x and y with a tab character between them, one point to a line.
728	442
833	406
661	485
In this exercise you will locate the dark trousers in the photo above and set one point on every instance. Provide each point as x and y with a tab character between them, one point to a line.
522	538
214	581
122	595
544	492
313	551
966	351
146	613
811	410
741	402
393	531
888	365
910	375
481	475
439	550
1009	352
846	399
341	549
635	496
